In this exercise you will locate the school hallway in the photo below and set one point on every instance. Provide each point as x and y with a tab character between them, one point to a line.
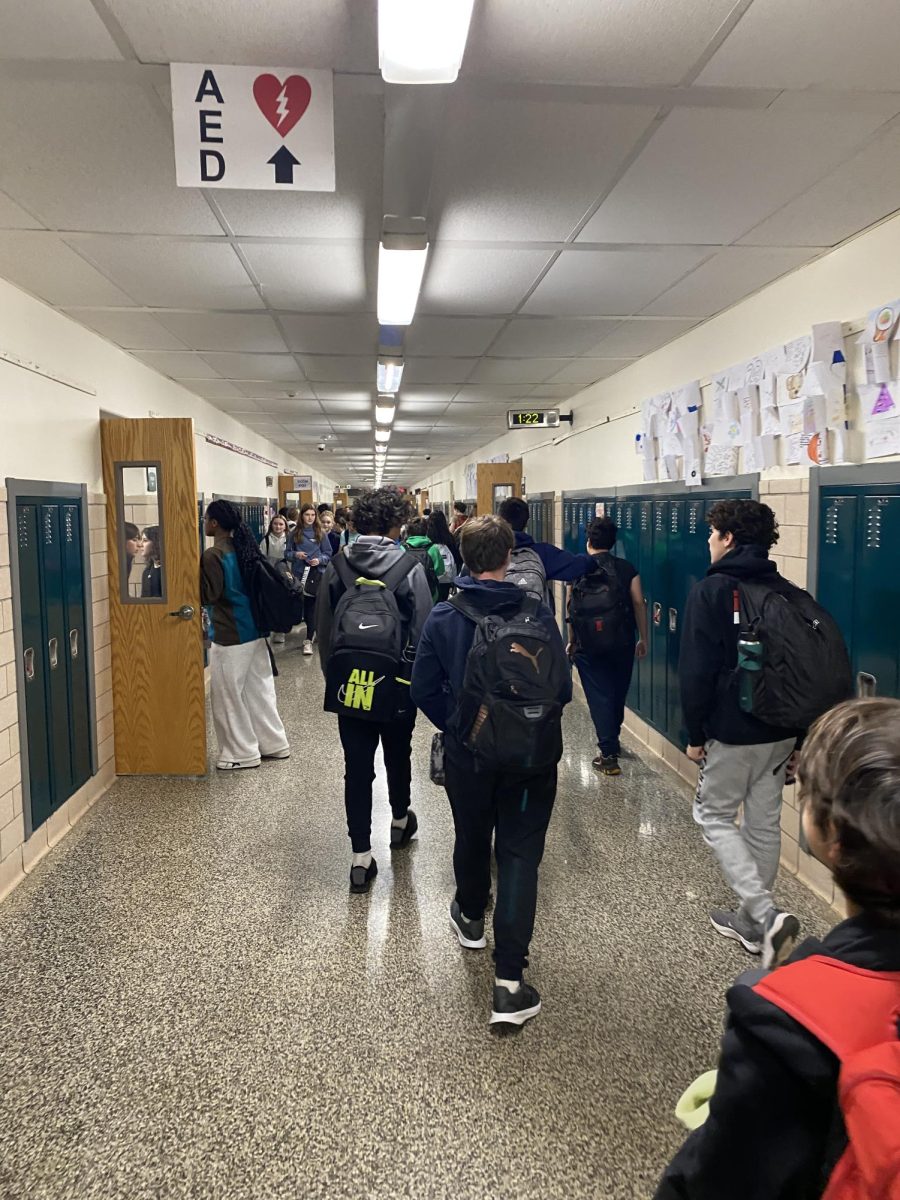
193	1005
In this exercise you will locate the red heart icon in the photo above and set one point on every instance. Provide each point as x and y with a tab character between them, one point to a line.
282	104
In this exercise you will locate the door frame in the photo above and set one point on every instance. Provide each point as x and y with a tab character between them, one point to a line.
77	492
862	475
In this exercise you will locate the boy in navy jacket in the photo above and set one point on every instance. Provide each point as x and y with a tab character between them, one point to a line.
488	803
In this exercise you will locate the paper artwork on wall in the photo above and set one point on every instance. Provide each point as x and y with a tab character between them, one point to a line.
796	353
878	362
693	467
756	369
725	407
881	323
727	433
793	449
668	468
737	376
817	449
706	436
770	422
686	397
883	438
788	388
827	340
721	460
791	419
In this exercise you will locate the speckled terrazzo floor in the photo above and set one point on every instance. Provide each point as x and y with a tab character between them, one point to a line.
192	1005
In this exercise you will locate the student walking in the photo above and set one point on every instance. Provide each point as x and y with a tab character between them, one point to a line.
606	613
419	544
491	673
372	606
534	564
438	532
807	1097
242	686
308	552
274	547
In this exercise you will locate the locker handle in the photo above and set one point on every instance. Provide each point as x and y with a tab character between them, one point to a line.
29	663
73	643
673	620
866	684
657	613
53	647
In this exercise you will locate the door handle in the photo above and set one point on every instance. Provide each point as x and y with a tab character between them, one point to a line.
73	643
186	612
866	684
29	663
53	646
673	620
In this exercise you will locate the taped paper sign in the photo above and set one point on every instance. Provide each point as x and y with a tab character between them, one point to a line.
725	407
793	449
668	468
880	323
817	449
693	473
791	419
686	397
821	381
883	438
721	460
770	422
755	371
877	403
789	388
796	353
827	340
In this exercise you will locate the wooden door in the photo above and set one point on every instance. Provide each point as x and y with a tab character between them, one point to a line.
159	703
495	481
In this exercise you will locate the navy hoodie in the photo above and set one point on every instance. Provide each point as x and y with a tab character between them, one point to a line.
437	678
708	659
558	564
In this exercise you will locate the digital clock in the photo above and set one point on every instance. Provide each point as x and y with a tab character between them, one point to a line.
533	418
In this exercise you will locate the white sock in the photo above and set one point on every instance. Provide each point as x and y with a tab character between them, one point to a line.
362	860
400	822
511	985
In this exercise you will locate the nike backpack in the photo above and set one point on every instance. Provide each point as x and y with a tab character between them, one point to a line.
601	613
803	668
855	1013
276	597
367	674
509	714
422	556
527	572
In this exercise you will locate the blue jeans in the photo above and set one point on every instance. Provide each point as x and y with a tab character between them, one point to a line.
606	682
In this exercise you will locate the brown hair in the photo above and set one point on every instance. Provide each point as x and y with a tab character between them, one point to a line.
485	543
849	774
315	528
752	523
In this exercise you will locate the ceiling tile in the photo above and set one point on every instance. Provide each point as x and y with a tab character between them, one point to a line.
43	264
332	277
223	394
451	335
332	335
299	399
438	370
610	282
176	365
813	46
172	274
328	392
263	390
489	393
634	338
54	29
422	408
516	370
472	282
524	169
13	216
549	337
225	331
730	275
105	161
271	367
838	206
130	329
343	369
724	170
584	371
556	391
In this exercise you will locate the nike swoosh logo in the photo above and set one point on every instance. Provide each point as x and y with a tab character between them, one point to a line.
370	626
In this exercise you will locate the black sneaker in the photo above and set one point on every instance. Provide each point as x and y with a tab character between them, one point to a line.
402	837
607	764
515	1008
470	933
361	877
780	933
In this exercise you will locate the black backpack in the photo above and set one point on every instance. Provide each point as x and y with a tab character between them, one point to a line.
368	670
422	556
276	597
509	714
803	668
600	612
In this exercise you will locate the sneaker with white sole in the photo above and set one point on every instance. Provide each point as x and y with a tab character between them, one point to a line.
730	925
224	765
780	933
307	647
515	1008
285	753
470	933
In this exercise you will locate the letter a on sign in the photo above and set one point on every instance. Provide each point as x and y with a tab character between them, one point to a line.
273	127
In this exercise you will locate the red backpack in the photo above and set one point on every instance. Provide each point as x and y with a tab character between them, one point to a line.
854	1013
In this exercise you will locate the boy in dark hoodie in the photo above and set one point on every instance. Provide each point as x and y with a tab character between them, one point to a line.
774	1130
514	810
742	760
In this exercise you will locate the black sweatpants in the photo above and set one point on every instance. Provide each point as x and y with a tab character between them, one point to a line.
360	741
309	616
519	811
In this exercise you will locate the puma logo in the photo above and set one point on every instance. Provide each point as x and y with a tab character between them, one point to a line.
516	648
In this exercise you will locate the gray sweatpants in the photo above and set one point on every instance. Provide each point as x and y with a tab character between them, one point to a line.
748	853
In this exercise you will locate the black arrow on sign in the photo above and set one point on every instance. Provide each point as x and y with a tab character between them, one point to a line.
284	162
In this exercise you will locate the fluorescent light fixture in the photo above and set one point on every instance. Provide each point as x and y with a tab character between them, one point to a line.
388	374
401	265
422	41
384	410
382	435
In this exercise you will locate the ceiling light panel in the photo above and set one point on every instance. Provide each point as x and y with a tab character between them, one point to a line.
400	271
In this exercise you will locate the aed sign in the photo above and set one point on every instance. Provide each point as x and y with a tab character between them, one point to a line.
253	127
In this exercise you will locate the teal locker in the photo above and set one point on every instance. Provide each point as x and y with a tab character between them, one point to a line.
837	562
676	563
659	601
35	671
875	632
60	739
645	541
76	643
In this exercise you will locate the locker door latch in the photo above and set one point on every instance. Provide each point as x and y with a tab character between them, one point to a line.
29	663
673	620
53	647
73	643
186	612
657	613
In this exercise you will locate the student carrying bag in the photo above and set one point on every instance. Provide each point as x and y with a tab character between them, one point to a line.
276	597
600	612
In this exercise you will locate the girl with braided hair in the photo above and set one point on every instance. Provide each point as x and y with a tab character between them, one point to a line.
242	687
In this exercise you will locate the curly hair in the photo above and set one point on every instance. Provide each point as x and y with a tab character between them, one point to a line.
849	774
245	547
380	511
751	523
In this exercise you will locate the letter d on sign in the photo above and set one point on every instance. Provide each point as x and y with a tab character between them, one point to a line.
205	173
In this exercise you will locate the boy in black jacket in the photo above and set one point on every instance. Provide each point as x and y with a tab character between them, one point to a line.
774	1130
743	761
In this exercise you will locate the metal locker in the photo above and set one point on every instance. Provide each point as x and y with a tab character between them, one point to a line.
75	643
875	636
659	600
645	536
57	659
568	538
677	591
35	670
838	520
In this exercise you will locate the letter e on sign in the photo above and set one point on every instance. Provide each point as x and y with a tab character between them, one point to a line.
273	127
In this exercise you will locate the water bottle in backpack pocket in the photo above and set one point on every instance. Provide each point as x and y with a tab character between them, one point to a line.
600	612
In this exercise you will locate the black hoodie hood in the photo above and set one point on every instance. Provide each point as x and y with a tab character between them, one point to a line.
745	562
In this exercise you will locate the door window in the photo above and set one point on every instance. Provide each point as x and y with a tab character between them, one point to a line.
142	555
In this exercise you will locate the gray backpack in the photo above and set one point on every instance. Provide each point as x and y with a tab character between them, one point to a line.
527	572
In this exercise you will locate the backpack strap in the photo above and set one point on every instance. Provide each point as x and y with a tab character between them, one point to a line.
345	572
397	571
847	1008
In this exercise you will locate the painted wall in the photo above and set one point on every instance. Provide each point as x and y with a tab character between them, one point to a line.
844	285
50	431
